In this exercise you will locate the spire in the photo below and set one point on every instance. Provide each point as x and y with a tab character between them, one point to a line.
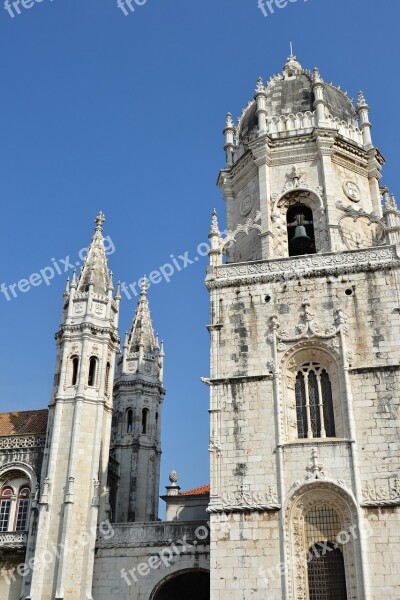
94	270
142	333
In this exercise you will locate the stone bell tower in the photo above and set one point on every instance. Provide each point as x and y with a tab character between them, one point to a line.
305	346
73	497
136	444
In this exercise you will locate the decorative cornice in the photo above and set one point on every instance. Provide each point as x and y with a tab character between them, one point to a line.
237	380
316	265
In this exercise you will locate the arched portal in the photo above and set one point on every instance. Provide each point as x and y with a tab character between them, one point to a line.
188	584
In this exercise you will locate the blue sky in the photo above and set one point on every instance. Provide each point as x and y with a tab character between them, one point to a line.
101	111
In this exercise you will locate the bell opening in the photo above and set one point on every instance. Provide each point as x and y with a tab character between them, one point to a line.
300	230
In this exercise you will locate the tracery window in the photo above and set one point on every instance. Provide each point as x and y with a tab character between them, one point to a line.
314	403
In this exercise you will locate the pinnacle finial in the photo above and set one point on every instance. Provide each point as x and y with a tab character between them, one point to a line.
317	75
291	49
229	121
214	222
144	285
74	281
361	99
99	220
259	85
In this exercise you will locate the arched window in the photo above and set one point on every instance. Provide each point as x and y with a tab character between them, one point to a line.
74	369
107	383
300	230
314	405
22	509
129	420
145	418
92	371
6	498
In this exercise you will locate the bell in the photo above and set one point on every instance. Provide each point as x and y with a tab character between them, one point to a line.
301	241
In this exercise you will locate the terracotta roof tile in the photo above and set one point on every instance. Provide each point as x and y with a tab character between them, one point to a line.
204	489
23	423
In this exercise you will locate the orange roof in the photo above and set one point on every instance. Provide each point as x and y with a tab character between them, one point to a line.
204	489
23	423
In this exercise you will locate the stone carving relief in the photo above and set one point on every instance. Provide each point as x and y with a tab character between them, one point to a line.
241	501
382	494
377	226
246	205
230	237
315	471
352	191
79	308
307	327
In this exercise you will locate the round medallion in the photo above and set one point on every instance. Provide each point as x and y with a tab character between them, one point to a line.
246	204
352	191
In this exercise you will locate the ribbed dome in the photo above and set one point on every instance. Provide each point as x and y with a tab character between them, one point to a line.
292	92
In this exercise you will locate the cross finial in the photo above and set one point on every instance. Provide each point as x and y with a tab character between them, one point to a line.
99	221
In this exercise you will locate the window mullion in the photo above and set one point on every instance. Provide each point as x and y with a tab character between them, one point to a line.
308	413
321	405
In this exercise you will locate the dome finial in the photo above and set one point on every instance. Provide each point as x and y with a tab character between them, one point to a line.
292	66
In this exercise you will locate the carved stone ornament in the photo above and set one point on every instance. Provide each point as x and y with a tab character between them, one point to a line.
79	308
382	494
242	501
230	237
314	468
352	191
246	205
308	328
